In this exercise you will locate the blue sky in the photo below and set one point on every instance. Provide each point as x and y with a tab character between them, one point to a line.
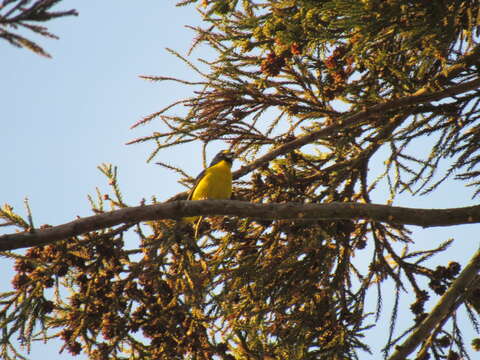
63	117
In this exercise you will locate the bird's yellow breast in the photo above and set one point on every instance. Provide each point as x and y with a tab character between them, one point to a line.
215	184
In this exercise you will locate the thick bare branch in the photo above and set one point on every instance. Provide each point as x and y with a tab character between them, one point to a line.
293	211
443	308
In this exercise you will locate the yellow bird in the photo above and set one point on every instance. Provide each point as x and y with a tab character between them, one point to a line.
215	182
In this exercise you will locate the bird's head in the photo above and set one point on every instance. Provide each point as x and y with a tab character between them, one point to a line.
226	155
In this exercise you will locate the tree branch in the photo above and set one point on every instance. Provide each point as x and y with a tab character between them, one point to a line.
339	124
357	118
292	211
442	309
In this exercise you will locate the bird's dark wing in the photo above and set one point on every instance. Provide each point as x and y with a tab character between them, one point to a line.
197	180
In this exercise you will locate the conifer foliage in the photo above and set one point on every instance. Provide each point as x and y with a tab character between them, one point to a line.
19	15
322	100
